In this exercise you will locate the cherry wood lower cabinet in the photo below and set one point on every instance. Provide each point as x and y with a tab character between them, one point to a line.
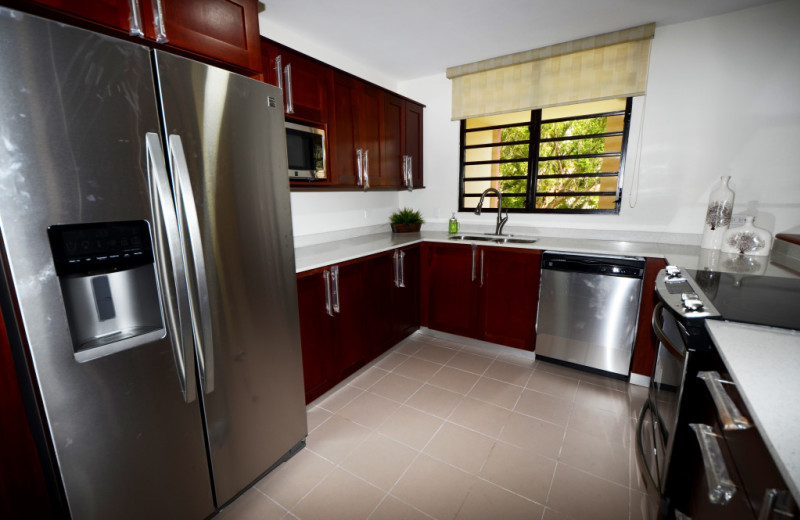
487	293
644	349
352	312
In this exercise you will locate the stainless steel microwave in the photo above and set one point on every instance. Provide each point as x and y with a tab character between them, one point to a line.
305	146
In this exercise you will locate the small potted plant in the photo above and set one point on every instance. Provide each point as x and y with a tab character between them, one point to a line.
406	220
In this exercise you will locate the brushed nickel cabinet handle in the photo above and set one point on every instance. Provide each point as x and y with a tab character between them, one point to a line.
729	414
720	487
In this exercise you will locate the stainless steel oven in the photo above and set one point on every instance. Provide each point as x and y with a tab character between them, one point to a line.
678	327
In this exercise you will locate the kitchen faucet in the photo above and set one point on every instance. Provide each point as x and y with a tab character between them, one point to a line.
501	220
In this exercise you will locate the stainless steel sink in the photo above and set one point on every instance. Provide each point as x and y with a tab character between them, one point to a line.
498	239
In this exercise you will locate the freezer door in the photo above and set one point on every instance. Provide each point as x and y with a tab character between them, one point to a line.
227	152
75	108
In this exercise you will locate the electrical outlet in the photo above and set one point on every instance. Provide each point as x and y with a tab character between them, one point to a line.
738	220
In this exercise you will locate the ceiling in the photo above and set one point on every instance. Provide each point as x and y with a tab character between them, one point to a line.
409	39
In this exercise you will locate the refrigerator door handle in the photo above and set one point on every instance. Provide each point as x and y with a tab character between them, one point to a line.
189	226
170	266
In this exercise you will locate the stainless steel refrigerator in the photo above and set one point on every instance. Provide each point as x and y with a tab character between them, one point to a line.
148	279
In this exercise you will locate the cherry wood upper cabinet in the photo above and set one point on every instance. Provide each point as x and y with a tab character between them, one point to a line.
225	31
412	146
304	82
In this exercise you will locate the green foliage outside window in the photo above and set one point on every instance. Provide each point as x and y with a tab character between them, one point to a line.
556	166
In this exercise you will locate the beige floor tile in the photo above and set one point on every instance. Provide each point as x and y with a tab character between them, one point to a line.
396	387
394	509
549	514
562	370
391	361
604	381
604	425
411	427
535	435
602	398
482	417
496	392
637	479
252	505
435	354
596	456
340	398
369	409
486	501
460	447
580	495
508	372
380	461
336	438
543	406
470	362
637	395
408	348
518	357
553	384
417	369
293	479
341	496
453	379
435	401
317	416
368	377
638	505
434	487
520	471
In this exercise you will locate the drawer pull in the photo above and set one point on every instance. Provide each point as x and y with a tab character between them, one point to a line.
729	413
720	487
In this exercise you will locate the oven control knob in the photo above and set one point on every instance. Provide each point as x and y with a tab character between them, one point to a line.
673	271
692	304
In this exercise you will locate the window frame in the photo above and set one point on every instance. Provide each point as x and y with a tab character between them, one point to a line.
535	124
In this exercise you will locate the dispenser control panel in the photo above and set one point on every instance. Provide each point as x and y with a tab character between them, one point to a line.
102	247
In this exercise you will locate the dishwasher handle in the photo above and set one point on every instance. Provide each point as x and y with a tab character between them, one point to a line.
617	266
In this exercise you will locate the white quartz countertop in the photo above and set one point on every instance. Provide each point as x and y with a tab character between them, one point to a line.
764	363
691	257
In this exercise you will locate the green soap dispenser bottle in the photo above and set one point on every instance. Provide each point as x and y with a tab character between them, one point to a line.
452	227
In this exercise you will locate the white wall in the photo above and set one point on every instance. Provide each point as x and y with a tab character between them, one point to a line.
722	99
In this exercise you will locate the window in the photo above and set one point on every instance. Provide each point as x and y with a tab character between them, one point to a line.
576	165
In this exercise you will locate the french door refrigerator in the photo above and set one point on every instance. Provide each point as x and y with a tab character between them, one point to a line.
147	271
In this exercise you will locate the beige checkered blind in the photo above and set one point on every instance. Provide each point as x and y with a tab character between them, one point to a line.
600	67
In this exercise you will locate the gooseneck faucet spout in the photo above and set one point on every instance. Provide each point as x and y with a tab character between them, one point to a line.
501	220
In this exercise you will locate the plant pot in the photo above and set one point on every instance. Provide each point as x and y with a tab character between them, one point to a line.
405	228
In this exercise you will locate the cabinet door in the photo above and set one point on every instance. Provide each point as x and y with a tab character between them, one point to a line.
509	281
369	124
305	88
392	141
115	14
644	348
405	299
343	131
351	353
316	335
378	291
225	30
452	289
412	130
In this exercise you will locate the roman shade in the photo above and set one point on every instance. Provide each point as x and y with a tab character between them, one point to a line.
599	67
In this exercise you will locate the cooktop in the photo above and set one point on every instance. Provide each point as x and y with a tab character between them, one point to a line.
761	300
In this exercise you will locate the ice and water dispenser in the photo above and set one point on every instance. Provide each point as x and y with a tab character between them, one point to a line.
108	281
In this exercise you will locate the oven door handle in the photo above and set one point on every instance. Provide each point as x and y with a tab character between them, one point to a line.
663	337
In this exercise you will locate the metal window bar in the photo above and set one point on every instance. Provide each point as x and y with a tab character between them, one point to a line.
587	116
577	137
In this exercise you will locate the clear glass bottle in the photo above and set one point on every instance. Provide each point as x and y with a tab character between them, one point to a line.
747	240
452	226
718	215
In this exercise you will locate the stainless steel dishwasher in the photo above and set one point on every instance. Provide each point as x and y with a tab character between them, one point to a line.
588	309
